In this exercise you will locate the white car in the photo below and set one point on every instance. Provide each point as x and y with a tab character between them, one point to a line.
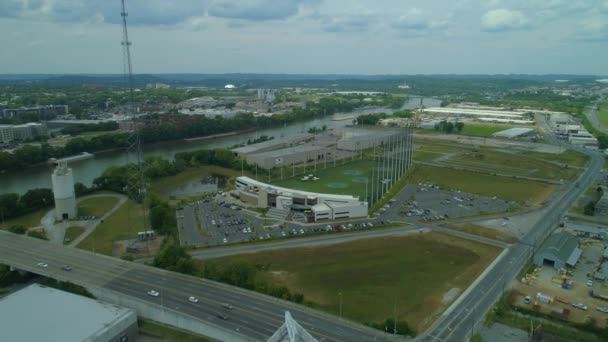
227	306
192	299
43	264
580	306
602	309
153	293
590	283
225	240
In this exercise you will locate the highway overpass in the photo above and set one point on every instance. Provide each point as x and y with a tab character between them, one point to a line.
255	316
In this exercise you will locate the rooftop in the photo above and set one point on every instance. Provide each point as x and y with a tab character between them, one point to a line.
514	132
562	245
57	316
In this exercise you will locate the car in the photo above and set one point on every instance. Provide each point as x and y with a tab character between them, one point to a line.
602	309
301	231
227	306
224	240
193	299
153	293
283	234
527	300
580	306
590	283
222	316
66	268
43	264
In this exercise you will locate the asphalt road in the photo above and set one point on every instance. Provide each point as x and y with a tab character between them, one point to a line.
254	315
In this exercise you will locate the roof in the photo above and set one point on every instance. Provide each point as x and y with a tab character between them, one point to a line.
293	192
57	316
483	112
573	258
271	143
560	245
514	132
288	151
584	228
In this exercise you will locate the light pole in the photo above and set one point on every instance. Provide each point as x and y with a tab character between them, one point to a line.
340	295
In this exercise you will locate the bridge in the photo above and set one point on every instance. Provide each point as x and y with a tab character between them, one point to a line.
255	317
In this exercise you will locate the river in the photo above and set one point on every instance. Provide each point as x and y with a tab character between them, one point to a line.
86	171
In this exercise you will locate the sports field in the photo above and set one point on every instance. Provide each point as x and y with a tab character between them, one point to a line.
414	273
346	179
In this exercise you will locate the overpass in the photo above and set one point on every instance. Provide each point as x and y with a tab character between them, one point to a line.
255	317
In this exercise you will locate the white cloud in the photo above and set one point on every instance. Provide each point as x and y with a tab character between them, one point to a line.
594	29
503	19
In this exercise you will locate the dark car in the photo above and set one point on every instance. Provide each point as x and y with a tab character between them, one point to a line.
222	316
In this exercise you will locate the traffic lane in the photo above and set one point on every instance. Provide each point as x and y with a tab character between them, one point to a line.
268	307
176	302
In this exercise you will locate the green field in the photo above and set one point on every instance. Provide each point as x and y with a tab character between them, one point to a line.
347	179
96	206
483	130
602	114
373	275
163	333
28	220
486	232
427	145
507	188
426	155
569	157
72	233
118	226
514	164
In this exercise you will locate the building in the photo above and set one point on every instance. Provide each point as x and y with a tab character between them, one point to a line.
560	250
30	130
322	206
39	313
602	205
358	139
476	113
44	112
290	156
273	144
517	132
63	191
7	134
587	230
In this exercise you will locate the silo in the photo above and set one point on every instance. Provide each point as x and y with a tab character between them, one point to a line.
63	191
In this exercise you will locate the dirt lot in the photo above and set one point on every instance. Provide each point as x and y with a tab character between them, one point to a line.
579	293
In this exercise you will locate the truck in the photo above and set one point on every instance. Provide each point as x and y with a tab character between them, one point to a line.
543	298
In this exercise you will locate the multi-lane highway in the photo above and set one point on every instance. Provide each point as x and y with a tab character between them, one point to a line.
254	315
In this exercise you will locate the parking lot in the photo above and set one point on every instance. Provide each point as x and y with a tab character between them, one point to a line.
212	222
428	202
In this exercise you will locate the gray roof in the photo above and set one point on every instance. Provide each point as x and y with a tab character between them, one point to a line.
39	313
561	245
294	138
584	228
573	258
514	132
289	151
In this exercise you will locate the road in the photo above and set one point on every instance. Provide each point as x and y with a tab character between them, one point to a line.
255	315
591	114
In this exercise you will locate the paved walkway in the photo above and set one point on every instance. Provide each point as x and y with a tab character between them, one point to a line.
56	230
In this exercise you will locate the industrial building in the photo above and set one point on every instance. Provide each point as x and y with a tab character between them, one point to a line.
39	313
476	113
63	191
517	132
358	139
587	230
559	250
273	144
322	206
289	156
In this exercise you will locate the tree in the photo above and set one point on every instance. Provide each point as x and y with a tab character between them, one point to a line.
589	208
36	199
175	258
17	229
459	126
37	234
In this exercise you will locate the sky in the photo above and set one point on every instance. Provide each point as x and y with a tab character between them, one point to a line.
307	36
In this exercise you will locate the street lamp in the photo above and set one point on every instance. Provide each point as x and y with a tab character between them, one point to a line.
340	295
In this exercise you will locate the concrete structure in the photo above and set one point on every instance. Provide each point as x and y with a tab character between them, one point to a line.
6	134
44	112
322	206
38	313
587	230
517	132
559	250
63	191
291	331
273	144
358	139
289	156
602	205
30	130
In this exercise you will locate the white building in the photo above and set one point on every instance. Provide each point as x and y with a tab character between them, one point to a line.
63	191
6	134
323	206
30	130
516	132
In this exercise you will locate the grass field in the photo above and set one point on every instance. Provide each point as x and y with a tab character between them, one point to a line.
426	155
96	206
167	334
347	179
489	233
72	233
118	226
28	220
483	130
427	145
516	164
602	114
373	275
507	188
569	157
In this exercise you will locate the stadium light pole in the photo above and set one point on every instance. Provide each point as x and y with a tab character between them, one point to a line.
340	295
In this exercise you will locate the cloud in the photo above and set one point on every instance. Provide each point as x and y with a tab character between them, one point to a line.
593	29
257	10
346	23
502	19
415	22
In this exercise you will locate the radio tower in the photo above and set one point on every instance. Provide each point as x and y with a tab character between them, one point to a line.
136	185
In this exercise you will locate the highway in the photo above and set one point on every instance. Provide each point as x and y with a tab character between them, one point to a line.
254	315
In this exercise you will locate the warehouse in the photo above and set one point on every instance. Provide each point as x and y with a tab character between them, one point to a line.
560	250
356	140
323	206
517	132
289	156
39	313
273	144
475	113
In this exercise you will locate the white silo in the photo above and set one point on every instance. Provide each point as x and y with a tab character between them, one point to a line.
63	191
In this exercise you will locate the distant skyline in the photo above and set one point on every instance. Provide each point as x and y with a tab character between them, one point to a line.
307	36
